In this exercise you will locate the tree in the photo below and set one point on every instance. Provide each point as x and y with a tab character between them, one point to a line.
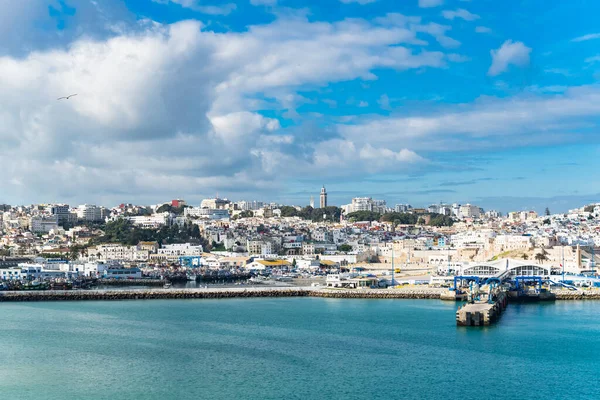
547	211
541	257
345	248
294	263
421	221
363	216
547	221
525	256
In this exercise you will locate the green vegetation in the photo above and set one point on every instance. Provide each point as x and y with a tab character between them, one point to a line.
313	214
440	220
217	246
124	232
363	216
345	248
175	210
400	218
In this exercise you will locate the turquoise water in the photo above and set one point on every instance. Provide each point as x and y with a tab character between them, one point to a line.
297	348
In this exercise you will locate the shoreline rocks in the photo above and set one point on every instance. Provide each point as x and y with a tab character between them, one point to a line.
165	294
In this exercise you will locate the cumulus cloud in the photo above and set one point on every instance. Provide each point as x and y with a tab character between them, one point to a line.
460	13
430	3
510	53
166	109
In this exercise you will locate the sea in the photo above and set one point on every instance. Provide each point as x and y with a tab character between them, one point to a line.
295	348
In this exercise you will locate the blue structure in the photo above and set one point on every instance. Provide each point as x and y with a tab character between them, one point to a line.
190	261
462	279
521	283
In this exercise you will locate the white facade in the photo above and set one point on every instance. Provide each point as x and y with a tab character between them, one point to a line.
177	250
90	213
44	224
117	252
207	213
150	221
469	211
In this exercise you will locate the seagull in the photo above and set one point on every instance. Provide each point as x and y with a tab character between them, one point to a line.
67	97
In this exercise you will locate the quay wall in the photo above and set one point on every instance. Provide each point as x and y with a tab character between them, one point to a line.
577	295
145	294
141	294
159	293
427	293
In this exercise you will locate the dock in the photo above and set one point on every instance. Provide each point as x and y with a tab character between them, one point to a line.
482	313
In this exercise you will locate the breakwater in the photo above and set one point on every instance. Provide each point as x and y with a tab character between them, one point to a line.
428	293
577	295
224	293
146	294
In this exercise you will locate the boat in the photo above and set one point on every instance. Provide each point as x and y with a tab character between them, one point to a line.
167	285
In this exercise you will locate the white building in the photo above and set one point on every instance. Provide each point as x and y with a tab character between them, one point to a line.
90	213
118	252
150	221
469	211
207	213
44	224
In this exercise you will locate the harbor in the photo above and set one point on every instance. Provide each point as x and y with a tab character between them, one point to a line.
408	292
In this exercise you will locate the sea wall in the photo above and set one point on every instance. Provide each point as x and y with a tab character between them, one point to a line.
77	295
426	293
141	294
577	295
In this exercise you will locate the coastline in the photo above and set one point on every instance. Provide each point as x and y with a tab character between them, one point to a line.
224	293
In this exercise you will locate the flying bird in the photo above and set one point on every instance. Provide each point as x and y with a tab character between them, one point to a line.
67	97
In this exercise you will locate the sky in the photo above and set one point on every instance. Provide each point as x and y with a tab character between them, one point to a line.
486	102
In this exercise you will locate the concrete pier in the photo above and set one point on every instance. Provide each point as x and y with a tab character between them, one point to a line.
481	313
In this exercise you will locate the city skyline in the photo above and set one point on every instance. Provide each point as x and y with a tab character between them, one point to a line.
418	102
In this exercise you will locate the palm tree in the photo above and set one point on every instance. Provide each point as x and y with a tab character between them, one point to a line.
541	257
525	256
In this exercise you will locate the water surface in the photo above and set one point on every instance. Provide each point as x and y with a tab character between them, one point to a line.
295	348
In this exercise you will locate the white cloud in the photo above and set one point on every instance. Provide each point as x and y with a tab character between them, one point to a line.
510	53
168	109
460	13
482	29
384	102
263	2
583	38
430	3
494	122
362	2
593	59
198	5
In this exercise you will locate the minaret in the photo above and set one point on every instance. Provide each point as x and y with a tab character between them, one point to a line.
323	197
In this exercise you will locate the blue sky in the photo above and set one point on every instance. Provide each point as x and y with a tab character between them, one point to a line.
414	101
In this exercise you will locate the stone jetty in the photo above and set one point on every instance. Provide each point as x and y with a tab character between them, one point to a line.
224	293
412	293
577	295
141	294
148	294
